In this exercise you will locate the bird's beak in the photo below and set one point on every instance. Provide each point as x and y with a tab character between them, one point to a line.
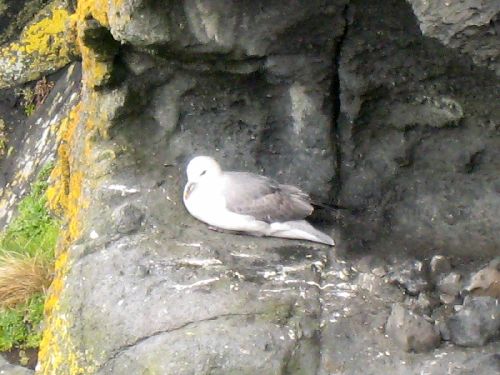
189	189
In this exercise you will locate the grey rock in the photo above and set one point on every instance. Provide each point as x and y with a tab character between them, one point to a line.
379	287
468	26
438	111
138	63
476	323
32	141
128	218
345	99
414	192
448	299
438	265
372	264
440	315
410	331
486	364
449	286
7	368
411	275
443	330
424	304
486	282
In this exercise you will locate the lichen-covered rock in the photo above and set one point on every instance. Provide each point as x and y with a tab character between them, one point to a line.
43	46
346	100
33	140
15	14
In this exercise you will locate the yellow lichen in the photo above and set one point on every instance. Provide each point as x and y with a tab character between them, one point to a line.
58	354
43	46
58	192
42	37
96	70
98	10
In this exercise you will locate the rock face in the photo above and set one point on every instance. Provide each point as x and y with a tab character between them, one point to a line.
7	369
349	101
476	323
411	275
411	331
487	280
418	136
469	26
32	141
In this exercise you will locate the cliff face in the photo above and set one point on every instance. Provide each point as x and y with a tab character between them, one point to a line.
387	108
418	136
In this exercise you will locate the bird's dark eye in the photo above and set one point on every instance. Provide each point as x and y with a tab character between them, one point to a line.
202	173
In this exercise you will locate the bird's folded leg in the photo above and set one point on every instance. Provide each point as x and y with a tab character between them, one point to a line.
220	230
255	234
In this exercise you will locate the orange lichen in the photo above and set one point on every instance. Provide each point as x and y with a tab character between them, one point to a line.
57	353
96	70
58	193
97	10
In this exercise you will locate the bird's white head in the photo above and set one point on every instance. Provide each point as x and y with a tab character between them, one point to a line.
202	168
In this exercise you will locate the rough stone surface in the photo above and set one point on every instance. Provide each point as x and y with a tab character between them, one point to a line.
410	331
128	218
15	14
349	101
8	369
450	286
32	140
42	47
418	136
411	275
486	282
477	322
482	365
470	26
439	265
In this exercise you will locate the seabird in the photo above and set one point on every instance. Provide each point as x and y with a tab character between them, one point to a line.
248	203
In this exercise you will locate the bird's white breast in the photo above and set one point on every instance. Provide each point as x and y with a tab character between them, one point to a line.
206	203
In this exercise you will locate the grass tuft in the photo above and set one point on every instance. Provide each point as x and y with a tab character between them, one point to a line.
26	265
21	277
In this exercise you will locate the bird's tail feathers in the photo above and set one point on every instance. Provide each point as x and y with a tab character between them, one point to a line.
327	206
300	230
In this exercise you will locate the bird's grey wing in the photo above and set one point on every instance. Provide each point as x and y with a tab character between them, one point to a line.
264	198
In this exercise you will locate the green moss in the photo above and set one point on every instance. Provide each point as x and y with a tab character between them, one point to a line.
34	231
3	137
20	326
3	7
27	100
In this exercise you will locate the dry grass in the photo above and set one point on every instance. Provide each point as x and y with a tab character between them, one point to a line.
21	276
